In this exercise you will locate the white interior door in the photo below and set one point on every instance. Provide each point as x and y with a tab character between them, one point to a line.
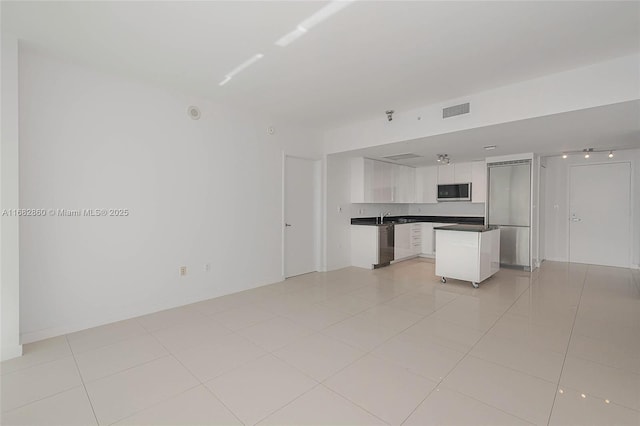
302	201
599	214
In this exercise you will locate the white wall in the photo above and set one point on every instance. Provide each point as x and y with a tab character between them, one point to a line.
556	206
206	191
9	241
599	84
338	212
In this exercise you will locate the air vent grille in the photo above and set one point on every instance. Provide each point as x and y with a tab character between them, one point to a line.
455	110
406	156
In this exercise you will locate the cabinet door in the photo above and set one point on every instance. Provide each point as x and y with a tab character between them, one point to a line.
462	172
402	241
427	238
446	174
404	184
383	182
426	184
362	180
479	182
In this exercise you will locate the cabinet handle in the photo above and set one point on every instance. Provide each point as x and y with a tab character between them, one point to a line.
287	224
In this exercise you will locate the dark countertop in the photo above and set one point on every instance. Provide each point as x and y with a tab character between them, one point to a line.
467	228
373	221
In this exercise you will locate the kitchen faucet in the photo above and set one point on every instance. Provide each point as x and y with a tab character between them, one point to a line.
382	215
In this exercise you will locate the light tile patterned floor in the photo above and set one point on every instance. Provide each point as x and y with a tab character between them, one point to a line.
393	346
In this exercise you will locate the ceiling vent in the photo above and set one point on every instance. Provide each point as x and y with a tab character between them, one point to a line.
397	157
455	110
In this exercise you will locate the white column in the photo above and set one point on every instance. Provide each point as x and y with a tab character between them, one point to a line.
9	245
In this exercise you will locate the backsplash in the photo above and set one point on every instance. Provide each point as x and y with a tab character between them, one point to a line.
369	210
440	209
453	208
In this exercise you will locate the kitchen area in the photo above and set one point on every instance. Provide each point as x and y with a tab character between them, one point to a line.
486	222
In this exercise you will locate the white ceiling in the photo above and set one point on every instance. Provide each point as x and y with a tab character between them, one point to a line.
608	127
369	57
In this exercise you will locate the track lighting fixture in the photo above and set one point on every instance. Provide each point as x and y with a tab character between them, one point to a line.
586	152
443	158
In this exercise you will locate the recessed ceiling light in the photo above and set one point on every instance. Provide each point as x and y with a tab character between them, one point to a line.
610	154
564	155
490	147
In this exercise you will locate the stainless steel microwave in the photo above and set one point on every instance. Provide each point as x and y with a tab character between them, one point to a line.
454	192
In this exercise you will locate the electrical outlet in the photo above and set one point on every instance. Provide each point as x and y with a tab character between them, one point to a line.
183	271
207	267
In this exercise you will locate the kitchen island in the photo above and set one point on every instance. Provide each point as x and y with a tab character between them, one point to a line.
467	252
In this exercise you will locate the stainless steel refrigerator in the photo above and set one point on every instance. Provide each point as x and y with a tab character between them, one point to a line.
510	209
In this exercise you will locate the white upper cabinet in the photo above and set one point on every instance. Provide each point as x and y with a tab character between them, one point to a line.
462	172
361	180
383	182
375	181
454	173
405	179
479	182
427	184
446	174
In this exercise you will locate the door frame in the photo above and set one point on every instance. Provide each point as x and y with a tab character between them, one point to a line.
317	182
631	205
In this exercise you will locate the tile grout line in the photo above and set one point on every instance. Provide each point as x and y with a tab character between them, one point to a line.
467	355
575	316
84	386
200	382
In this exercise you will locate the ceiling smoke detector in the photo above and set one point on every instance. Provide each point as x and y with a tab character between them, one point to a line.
193	112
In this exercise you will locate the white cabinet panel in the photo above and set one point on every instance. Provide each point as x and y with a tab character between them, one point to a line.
375	181
462	172
383	182
478	182
427	238
404	184
361	180
446	174
455	173
427	184
364	246
402	241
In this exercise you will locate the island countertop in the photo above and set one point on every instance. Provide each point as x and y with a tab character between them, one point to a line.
466	228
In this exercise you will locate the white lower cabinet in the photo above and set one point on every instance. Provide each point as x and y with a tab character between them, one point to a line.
402	241
416	239
364	246
427	239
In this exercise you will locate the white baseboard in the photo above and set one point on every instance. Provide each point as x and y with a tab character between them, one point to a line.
9	352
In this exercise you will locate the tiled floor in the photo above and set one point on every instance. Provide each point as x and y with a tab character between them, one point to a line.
392	346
